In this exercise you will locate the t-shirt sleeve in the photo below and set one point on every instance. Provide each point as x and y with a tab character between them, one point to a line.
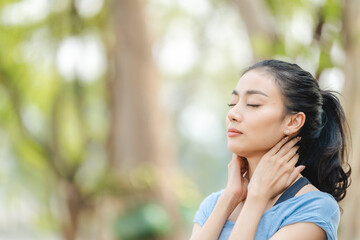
324	212
206	207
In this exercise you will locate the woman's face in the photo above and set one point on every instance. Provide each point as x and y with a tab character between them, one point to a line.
257	112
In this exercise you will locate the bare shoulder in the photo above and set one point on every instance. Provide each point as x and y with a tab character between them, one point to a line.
307	188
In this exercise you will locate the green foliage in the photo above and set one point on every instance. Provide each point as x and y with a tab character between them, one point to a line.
333	11
54	126
149	221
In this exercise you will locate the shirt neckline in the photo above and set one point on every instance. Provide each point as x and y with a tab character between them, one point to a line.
276	206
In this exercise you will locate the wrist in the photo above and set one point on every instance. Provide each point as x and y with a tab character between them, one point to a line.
229	200
257	198
233	195
258	192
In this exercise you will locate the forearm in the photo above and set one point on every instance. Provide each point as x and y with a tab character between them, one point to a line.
249	218
214	224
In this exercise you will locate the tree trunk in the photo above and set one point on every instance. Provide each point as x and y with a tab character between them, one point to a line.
257	18
73	203
133	88
260	26
139	129
350	222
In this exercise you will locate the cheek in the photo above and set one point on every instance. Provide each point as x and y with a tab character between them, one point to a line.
267	128
270	139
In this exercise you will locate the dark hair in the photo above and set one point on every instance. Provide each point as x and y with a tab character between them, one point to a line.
323	147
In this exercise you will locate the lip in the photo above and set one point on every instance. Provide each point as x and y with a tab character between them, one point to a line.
232	132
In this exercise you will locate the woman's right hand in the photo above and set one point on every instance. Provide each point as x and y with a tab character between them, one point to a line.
238	179
276	170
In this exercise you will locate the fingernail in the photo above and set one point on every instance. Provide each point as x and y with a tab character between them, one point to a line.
298	137
302	167
286	138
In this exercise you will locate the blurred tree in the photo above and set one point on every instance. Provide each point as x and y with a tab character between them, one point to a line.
65	157
260	26
139	128
46	115
351	31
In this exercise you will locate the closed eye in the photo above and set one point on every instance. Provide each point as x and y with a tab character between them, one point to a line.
249	105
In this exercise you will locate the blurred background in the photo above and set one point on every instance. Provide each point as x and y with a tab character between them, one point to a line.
112	112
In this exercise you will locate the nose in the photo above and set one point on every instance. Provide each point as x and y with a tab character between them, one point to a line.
234	114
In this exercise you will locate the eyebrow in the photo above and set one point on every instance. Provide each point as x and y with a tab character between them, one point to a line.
249	92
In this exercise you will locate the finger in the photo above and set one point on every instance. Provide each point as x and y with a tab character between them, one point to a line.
286	148
278	146
296	172
290	154
238	164
288	166
293	160
233	160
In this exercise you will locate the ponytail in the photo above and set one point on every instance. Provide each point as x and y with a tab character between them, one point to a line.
326	155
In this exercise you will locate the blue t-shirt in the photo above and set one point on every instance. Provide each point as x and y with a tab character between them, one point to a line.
315	207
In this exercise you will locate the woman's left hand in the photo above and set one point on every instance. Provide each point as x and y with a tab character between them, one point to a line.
276	170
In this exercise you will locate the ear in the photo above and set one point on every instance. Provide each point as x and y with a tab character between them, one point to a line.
294	123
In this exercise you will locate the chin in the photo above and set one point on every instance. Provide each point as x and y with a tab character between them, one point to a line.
238	150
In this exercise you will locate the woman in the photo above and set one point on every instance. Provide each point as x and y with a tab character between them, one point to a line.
280	124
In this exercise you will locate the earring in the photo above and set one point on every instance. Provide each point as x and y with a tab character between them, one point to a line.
287	131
